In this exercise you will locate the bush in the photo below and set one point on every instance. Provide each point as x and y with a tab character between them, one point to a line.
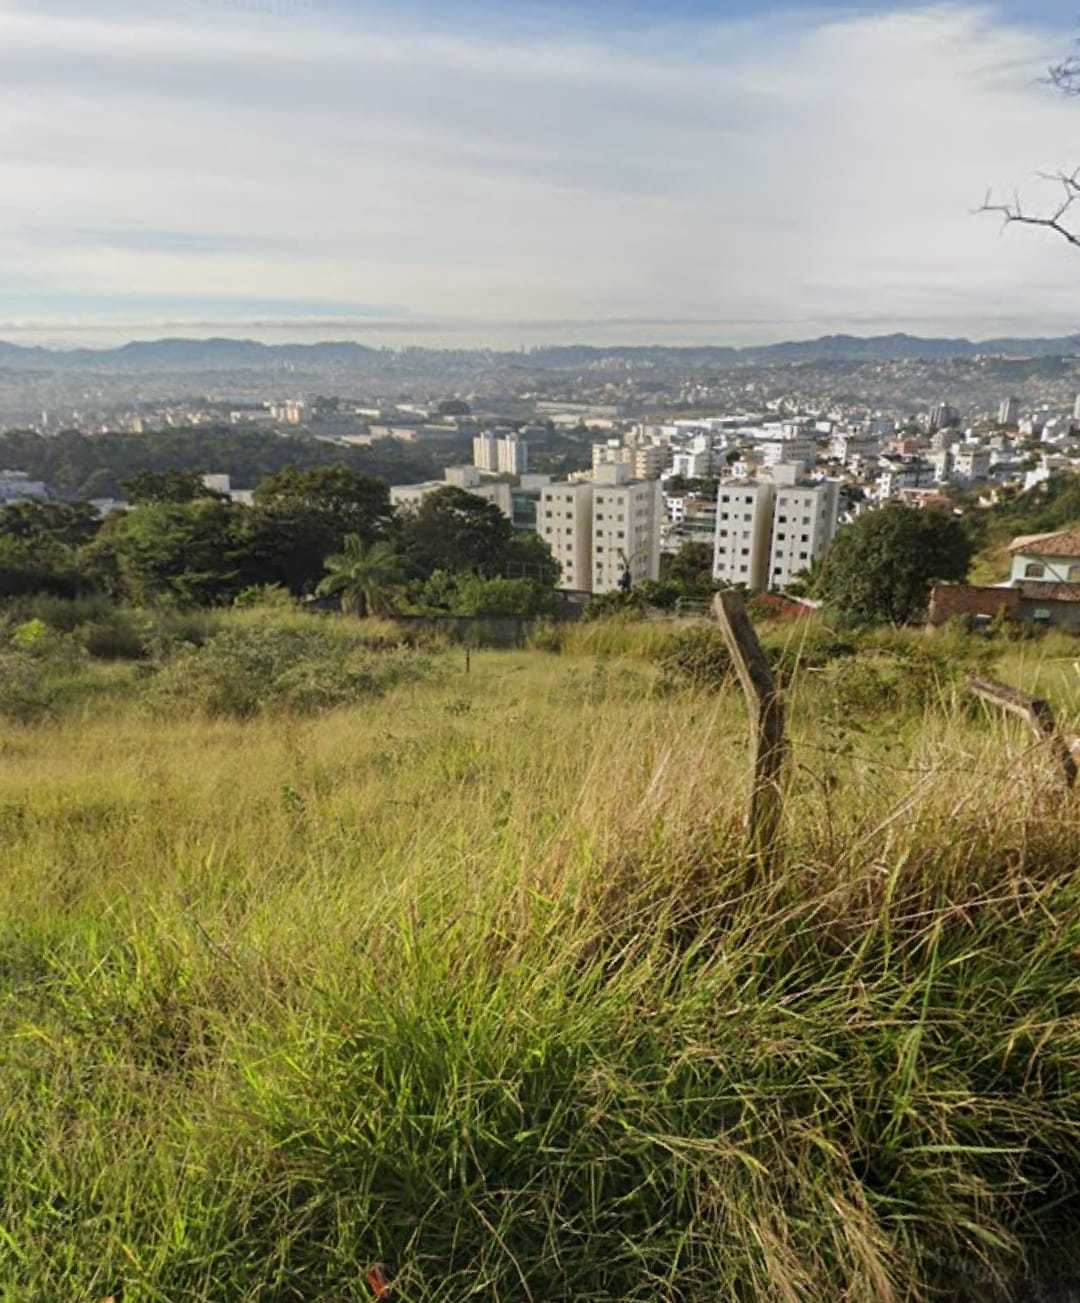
244	671
697	652
272	596
121	635
25	693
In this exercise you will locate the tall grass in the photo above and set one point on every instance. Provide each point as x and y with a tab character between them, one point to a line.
478	981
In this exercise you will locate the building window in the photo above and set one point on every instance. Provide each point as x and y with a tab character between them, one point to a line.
1074	574
1034	570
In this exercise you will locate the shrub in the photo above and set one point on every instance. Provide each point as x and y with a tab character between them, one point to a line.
25	694
273	596
547	637
697	652
121	635
243	671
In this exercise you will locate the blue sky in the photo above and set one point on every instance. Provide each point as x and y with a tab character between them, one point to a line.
464	172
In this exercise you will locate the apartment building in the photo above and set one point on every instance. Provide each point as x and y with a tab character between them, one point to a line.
564	522
971	462
486	452
644	461
743	532
512	455
774	451
627	518
804	525
692	464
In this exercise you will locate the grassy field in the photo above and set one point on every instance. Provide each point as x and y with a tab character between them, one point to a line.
473	978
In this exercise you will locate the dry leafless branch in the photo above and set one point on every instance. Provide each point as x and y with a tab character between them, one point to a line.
1015	212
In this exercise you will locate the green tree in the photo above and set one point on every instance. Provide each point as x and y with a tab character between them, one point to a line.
303	516
68	523
456	531
184	552
363	576
166	486
691	568
881	567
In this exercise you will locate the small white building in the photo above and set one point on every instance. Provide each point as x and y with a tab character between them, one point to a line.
971	462
1053	558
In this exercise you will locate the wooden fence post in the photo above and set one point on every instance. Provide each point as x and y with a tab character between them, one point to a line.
768	743
1037	714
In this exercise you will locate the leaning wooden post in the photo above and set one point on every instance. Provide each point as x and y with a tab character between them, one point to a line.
1037	714
768	744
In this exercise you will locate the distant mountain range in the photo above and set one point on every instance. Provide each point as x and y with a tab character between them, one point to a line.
248	354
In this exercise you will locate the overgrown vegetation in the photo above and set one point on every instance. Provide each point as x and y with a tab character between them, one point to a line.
472	976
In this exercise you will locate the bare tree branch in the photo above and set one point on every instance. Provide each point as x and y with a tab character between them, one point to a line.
1064	77
1015	212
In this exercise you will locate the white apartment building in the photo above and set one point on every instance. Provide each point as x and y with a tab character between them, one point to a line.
804	525
845	447
597	531
611	452
486	452
650	460
743	532
564	521
644	461
692	465
774	451
970	462
1009	411
627	518
512	455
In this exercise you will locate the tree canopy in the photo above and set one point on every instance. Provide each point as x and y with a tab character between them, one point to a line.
881	567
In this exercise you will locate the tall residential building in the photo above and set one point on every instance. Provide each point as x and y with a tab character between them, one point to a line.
486	452
512	455
626	522
1009	411
743	531
804	524
564	522
1076	408
650	460
611	453
942	415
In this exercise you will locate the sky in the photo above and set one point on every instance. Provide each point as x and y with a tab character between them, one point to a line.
467	172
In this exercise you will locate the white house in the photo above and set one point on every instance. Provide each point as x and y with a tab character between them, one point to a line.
1053	558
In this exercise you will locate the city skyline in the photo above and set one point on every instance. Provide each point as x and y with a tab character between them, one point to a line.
739	174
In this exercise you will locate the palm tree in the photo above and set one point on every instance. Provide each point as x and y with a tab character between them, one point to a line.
362	575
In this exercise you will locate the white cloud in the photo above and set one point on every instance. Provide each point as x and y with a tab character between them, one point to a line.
792	175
